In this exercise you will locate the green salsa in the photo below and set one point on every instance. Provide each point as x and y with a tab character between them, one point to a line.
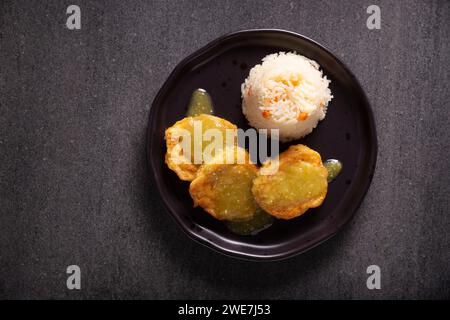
201	103
260	221
334	167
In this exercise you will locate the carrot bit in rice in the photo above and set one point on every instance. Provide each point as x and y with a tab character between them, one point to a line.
302	116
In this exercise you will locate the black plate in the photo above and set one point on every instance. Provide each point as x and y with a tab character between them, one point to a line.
347	133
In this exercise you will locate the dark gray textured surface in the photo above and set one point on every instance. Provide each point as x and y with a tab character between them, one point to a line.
74	187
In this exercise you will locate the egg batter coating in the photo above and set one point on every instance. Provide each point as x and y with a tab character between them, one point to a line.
299	183
176	159
225	190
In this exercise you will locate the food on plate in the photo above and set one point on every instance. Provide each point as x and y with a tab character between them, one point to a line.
184	163
225	190
228	185
299	183
287	91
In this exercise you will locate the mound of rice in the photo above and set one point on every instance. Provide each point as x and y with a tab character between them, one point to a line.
287	91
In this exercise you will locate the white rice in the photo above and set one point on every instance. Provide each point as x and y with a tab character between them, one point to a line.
287	91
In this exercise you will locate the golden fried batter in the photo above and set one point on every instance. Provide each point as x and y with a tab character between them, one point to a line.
184	166
299	184
224	190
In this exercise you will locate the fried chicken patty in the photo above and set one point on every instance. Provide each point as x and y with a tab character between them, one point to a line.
299	183
176	158
224	190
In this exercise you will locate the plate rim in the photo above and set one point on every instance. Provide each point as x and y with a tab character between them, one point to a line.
372	157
